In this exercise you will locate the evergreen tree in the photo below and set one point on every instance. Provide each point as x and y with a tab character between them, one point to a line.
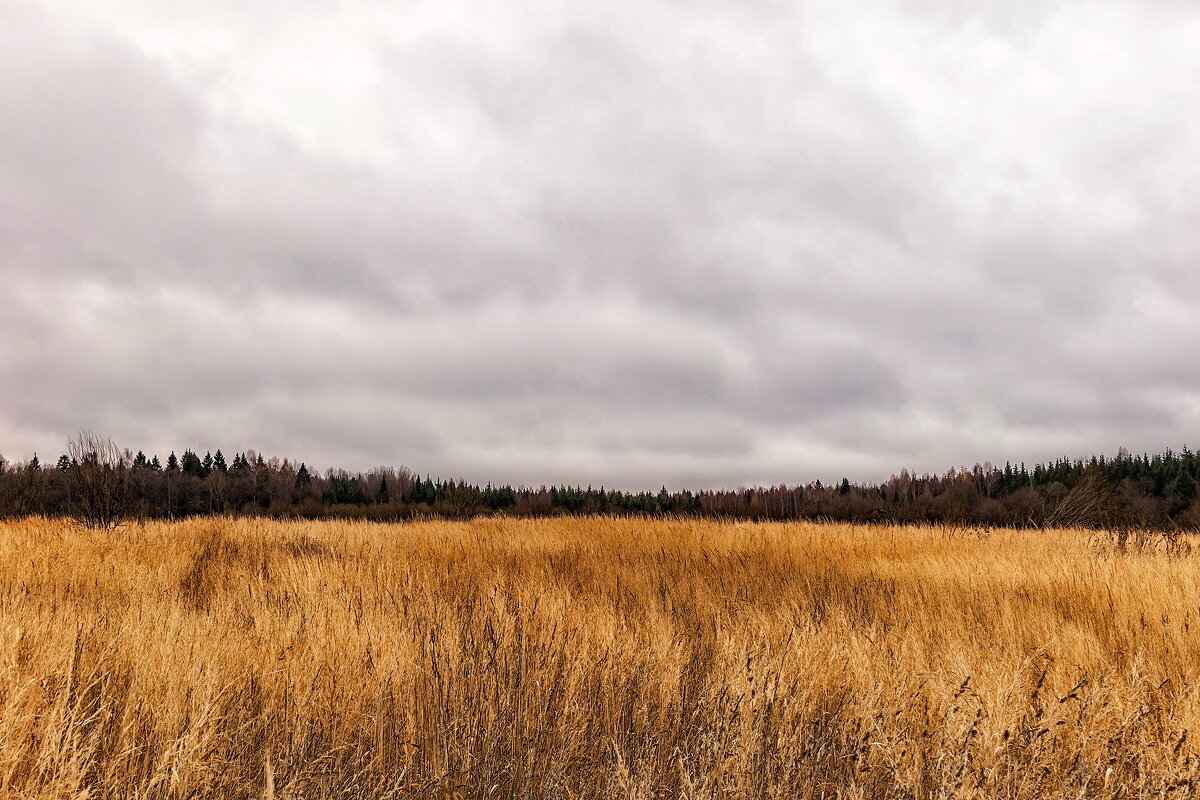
218	462
384	494
191	465
64	463
344	490
172	462
664	500
1183	488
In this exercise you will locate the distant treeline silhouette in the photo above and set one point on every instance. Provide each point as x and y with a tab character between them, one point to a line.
100	485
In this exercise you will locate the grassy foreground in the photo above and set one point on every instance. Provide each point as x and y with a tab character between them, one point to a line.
594	658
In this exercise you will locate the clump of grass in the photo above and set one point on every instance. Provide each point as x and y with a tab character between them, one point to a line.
200	581
593	658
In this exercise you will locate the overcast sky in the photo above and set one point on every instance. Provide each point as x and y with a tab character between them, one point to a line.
627	243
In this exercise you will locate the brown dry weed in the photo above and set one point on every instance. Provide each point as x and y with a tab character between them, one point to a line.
593	658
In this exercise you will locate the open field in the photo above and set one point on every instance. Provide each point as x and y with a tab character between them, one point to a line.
594	658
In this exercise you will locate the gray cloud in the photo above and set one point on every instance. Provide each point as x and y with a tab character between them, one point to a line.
708	244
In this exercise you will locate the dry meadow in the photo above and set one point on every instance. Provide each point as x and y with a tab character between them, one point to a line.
594	658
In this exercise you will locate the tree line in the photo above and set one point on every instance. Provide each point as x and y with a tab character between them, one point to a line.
101	485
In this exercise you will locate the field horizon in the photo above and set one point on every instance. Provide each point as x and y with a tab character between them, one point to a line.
594	658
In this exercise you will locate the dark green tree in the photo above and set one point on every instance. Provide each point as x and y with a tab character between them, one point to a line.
1182	490
190	464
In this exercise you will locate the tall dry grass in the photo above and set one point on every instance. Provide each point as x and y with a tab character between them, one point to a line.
593	658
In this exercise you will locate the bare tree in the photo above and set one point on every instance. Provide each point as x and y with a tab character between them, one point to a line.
99	481
1091	503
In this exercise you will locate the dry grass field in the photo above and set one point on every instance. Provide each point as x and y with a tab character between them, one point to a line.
594	658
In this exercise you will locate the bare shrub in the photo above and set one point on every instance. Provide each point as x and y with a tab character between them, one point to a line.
1091	503
98	481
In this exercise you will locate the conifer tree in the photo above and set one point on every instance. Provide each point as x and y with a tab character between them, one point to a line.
1183	488
191	465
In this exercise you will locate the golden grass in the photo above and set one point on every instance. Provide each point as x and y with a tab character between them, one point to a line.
594	658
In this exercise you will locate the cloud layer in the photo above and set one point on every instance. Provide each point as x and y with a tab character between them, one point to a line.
693	244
